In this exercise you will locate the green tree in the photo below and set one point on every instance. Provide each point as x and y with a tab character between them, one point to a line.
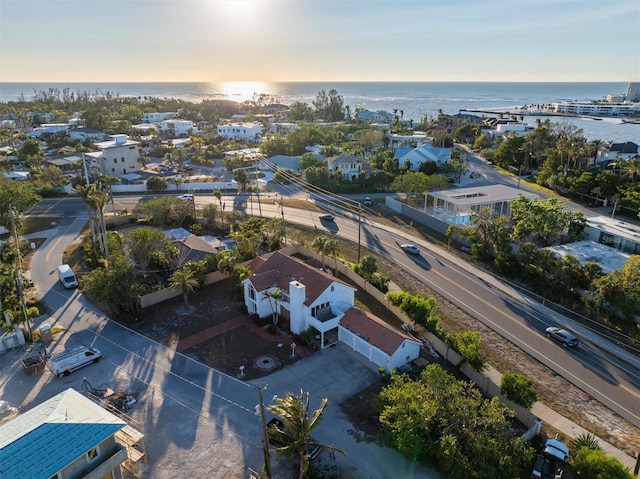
275	145
440	420
594	463
227	261
298	425
156	184
185	281
618	293
320	245
367	267
300	111
332	247
469	345
149	249
168	211
519	388
544	220
329	106
242	178
117	286
16	197
274	296
309	160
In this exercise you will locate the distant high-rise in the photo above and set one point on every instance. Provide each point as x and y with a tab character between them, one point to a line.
633	92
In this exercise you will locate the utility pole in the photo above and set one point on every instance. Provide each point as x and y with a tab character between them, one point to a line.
284	225
265	436
258	190
19	280
359	229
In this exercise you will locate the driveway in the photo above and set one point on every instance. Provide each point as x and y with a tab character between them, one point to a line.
198	422
337	373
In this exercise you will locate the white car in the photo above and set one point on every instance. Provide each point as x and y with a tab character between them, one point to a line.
186	197
410	248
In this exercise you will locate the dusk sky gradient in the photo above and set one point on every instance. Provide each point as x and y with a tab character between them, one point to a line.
319	40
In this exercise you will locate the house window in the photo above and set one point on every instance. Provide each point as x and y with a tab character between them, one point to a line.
115	160
252	293
122	161
92	454
332	288
113	170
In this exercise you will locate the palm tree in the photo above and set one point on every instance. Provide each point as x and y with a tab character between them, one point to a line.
84	191
331	247
273	297
297	426
227	261
320	245
631	168
109	181
218	194
186	281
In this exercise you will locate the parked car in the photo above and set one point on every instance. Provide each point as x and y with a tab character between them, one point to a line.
551	463
327	218
367	201
410	248
562	336
186	197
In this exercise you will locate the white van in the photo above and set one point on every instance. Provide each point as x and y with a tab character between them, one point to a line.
65	363
66	276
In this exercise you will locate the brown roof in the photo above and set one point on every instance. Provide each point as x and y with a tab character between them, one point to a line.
279	270
374	330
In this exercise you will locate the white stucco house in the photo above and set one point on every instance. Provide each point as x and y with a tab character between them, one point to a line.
116	157
349	166
177	128
156	117
244	131
309	297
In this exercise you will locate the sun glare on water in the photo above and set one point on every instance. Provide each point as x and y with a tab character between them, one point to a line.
243	90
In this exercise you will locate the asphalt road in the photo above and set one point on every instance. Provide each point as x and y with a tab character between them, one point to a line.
591	367
198	421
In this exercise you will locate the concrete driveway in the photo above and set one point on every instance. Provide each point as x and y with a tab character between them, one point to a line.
198	422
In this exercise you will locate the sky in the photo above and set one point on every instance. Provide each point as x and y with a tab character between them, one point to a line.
319	40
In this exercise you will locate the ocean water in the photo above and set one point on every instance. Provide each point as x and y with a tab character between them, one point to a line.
417	100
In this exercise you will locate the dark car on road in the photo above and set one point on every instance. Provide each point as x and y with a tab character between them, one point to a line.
327	218
563	336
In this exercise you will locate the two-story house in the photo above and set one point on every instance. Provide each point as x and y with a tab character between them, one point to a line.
614	151
348	166
116	157
244	131
308	297
66	437
178	128
157	117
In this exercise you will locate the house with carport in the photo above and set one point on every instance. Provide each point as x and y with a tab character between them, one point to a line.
305	296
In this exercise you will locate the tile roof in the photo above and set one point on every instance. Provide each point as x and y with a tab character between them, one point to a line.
49	437
374	330
280	269
627	147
